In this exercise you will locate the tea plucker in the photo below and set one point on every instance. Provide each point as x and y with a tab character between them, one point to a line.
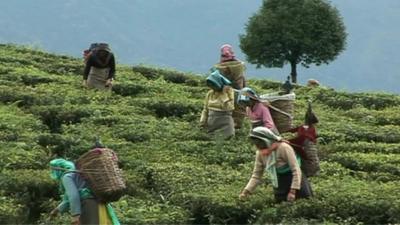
278	159
77	198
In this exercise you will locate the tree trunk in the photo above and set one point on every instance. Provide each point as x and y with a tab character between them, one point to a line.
293	73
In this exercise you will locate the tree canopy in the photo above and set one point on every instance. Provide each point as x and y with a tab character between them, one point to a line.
294	31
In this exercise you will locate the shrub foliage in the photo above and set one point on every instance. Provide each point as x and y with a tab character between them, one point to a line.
176	173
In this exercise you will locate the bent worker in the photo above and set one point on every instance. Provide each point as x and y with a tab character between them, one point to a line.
233	69
218	106
258	114
78	198
279	160
100	68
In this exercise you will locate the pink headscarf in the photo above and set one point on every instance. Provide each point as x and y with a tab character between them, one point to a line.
227	53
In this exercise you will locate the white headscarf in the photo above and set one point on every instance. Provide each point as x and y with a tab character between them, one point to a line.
268	137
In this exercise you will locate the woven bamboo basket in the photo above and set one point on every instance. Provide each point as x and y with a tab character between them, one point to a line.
233	70
100	168
310	166
282	109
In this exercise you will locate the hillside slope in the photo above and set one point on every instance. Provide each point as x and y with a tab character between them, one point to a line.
175	173
186	35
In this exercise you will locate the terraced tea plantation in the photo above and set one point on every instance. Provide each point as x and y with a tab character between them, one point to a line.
176	174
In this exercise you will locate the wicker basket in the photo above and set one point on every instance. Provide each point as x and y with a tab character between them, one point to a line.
100	168
233	70
282	109
310	166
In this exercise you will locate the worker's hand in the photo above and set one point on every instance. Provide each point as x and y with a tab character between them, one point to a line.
266	102
244	195
54	213
84	83
291	195
203	125
109	83
75	220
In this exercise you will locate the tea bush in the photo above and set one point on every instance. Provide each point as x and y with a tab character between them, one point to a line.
172	109
168	75
128	89
34	80
217	152
21	156
352	132
264	84
368	162
15	125
27	97
388	116
149	211
30	188
209	192
55	116
344	201
11	212
176	173
365	147
346	101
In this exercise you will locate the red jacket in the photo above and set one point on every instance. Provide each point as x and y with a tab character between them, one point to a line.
303	133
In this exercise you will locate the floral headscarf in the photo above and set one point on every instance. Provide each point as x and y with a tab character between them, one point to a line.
227	53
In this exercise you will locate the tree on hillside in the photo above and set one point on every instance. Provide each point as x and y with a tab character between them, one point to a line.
294	31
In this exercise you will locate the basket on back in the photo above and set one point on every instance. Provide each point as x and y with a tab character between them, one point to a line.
282	109
100	168
234	71
310	166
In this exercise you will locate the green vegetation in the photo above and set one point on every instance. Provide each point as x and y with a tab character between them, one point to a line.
176	174
294	32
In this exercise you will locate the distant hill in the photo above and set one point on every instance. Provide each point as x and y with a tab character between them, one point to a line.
186	35
175	172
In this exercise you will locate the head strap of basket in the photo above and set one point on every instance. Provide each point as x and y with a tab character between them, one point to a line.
310	117
59	167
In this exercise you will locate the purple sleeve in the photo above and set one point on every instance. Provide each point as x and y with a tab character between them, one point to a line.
267	118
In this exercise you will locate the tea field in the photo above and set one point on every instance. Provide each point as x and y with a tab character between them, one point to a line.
177	174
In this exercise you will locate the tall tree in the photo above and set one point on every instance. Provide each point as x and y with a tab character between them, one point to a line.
294	31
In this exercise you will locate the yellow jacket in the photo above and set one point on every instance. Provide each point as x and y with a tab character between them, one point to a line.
217	101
